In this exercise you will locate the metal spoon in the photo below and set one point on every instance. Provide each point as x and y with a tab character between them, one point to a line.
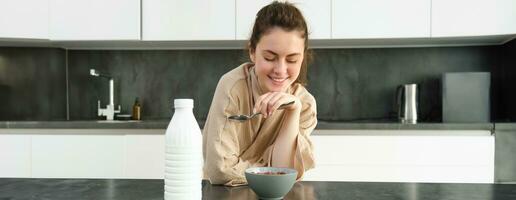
243	118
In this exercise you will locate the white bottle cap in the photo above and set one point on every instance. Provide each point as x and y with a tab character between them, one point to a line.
183	103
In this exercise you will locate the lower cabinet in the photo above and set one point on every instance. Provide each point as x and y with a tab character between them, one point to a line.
82	153
347	155
15	155
145	155
78	156
408	156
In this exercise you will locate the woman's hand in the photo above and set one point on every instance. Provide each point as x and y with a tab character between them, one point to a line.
271	101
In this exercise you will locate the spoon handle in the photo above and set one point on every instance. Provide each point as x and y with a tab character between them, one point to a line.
282	106
285	105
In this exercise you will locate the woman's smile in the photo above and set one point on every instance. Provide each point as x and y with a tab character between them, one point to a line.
278	58
278	80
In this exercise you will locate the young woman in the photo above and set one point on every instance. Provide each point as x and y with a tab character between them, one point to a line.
276	75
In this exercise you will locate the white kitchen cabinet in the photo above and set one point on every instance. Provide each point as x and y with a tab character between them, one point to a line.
24	19
15	155
473	18
404	156
363	19
145	155
70	154
94	20
316	13
188	20
245	15
341	155
82	153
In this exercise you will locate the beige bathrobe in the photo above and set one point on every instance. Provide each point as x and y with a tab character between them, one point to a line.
230	147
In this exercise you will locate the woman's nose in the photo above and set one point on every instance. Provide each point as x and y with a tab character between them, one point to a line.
281	67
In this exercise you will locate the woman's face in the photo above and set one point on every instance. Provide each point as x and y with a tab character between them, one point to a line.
278	57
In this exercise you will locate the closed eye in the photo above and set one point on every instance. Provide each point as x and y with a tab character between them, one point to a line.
269	59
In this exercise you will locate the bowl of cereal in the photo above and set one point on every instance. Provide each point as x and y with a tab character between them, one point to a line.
270	182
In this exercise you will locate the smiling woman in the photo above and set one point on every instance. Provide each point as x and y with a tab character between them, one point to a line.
276	75
277	59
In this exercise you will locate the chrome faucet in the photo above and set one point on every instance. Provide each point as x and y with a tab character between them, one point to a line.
109	111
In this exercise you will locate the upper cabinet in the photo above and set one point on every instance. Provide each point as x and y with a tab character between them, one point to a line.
215	24
353	19
188	20
316	13
318	17
473	18
24	19
94	20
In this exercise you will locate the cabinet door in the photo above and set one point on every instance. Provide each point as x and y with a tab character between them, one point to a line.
94	19
380	19
316	13
145	155
56	154
14	155
473	18
188	20
403	156
26	19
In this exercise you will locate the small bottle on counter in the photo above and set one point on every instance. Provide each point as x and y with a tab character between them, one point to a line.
137	110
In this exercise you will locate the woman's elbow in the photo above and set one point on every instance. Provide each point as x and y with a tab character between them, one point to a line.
221	176
215	176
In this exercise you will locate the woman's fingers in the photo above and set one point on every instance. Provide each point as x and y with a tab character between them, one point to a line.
265	107
269	102
284	100
275	102
261	104
258	103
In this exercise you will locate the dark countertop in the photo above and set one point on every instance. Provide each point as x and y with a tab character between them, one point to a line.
162	124
143	189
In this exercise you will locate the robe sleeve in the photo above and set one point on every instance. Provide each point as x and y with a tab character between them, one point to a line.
222	162
304	158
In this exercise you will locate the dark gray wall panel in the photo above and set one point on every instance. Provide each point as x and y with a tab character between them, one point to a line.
156	77
360	83
348	84
32	84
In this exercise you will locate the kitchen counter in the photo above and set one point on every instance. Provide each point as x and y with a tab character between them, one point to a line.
145	189
162	124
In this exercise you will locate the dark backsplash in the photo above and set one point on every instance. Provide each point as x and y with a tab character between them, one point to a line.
348	84
361	83
155	77
32	84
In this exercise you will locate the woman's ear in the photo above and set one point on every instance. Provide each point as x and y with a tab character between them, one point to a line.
252	55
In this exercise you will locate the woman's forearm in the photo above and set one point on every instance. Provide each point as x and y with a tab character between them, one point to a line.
285	145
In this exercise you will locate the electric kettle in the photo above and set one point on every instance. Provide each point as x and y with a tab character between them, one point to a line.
407	103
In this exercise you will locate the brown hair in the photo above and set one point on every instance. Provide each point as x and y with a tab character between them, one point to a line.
286	16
